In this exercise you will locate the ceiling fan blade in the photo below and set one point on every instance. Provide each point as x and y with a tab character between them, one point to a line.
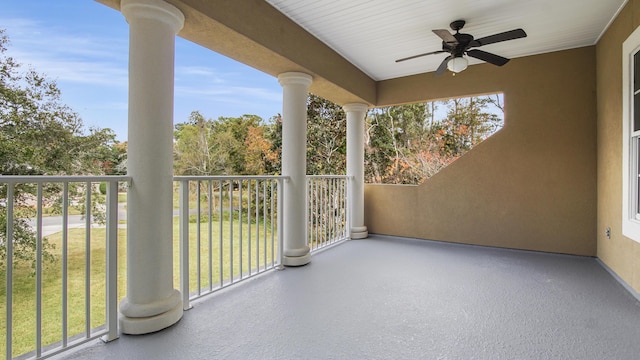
488	57
420	55
446	36
507	35
443	65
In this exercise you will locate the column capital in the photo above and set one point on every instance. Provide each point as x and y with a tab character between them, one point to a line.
295	78
357	107
153	9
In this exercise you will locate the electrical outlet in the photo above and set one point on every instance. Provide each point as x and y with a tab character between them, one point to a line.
608	232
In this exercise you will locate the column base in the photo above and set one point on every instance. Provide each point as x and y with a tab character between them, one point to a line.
359	232
149	324
296	260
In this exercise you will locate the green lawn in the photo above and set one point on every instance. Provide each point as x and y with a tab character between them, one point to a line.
24	281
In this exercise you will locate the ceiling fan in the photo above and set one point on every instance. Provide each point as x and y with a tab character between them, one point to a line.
458	45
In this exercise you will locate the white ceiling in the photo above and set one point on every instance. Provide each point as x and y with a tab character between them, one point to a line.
372	34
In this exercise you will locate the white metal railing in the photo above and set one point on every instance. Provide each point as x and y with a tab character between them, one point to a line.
29	195
230	229
247	239
327	214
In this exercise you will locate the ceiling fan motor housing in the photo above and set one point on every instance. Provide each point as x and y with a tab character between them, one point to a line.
457	50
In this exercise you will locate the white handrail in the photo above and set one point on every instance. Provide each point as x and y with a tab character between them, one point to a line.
41	179
228	177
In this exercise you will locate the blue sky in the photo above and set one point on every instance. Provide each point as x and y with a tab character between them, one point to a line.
83	45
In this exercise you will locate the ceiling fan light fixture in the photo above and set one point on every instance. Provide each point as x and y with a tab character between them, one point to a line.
457	64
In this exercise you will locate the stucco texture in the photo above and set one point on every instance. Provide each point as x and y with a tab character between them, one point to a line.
618	252
530	186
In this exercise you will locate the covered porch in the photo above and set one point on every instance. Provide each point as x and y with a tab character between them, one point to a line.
553	273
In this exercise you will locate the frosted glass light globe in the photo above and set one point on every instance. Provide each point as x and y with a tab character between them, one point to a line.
457	64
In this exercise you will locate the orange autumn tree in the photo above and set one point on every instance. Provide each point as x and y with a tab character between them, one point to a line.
260	155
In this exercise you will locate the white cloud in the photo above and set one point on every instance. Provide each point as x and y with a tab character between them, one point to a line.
74	58
234	94
198	71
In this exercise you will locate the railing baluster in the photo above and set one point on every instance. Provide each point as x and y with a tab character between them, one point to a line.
341	217
220	236
339	208
316	214
183	200
198	237
240	185
323	201
342	197
264	222
9	272
309	214
39	270
112	263
329	197
280	225
65	259
257	227
330	210
325	223
347	220
332	215
273	259
249	200
231	231
210	235
334	208
87	262
335	200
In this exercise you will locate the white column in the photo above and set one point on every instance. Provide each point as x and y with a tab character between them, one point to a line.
151	303
355	167
294	165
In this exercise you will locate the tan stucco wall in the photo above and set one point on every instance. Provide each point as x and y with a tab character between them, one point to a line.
620	253
530	186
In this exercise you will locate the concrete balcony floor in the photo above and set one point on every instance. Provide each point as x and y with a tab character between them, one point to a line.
396	298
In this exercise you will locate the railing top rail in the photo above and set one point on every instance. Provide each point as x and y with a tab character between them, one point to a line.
328	177
18	179
228	177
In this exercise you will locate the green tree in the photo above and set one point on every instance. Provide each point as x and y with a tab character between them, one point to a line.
273	134
394	136
233	133
39	135
192	147
225	146
326	137
467	124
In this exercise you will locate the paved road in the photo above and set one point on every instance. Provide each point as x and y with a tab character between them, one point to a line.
53	224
